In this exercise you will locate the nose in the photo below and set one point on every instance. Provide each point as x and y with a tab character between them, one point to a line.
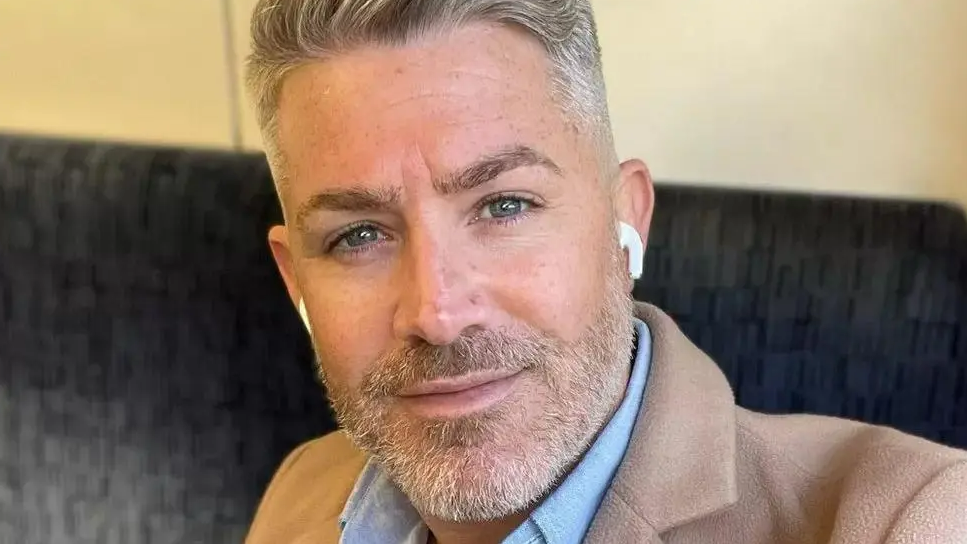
438	295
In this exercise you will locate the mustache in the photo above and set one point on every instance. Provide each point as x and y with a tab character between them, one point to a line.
476	351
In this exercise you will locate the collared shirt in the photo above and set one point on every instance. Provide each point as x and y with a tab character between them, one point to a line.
377	512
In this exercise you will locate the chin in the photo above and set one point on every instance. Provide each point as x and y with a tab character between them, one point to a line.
475	484
475	469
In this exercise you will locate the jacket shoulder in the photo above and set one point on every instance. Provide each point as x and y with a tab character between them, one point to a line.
828	447
849	481
308	492
936	513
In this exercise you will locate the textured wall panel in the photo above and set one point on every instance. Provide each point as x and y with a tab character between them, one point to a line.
152	372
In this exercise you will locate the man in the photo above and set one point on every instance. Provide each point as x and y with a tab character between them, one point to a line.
452	206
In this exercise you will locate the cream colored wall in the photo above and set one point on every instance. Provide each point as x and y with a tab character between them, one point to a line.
855	96
251	139
142	70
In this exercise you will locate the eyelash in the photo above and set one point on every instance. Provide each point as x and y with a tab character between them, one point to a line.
532	205
333	246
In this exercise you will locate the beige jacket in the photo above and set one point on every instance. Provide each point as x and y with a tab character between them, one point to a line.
701	470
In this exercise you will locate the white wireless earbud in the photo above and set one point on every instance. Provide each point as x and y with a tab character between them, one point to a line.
628	238
304	315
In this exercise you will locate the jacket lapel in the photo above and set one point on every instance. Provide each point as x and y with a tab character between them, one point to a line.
680	462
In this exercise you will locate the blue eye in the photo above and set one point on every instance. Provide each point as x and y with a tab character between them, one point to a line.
504	208
358	237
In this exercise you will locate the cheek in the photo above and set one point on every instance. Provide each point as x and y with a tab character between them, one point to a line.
353	329
554	288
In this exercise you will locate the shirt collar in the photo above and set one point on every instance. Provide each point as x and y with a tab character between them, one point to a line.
377	511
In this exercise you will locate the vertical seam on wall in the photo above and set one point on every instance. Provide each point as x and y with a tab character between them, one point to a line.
231	71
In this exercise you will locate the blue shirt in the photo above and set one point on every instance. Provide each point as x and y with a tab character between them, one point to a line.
377	512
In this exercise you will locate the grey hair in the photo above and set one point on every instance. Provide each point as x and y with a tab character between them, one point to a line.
287	34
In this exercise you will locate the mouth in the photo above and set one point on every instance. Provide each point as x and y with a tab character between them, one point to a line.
449	398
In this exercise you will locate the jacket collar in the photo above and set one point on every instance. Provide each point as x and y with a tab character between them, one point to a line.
680	463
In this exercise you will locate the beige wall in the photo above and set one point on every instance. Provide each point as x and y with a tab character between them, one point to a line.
858	96
251	139
142	70
850	96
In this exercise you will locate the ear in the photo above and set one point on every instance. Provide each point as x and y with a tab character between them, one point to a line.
634	197
281	248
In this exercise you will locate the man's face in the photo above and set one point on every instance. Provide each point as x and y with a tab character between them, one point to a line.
455	248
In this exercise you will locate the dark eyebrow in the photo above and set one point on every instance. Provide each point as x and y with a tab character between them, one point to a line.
483	170
351	200
491	166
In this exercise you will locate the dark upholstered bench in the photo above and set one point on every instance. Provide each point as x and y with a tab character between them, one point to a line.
153	373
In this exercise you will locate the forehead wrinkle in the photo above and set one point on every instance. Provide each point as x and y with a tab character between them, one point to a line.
414	168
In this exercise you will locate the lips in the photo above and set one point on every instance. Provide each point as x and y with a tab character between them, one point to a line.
443	386
451	398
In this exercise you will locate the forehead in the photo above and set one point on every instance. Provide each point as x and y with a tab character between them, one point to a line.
355	117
